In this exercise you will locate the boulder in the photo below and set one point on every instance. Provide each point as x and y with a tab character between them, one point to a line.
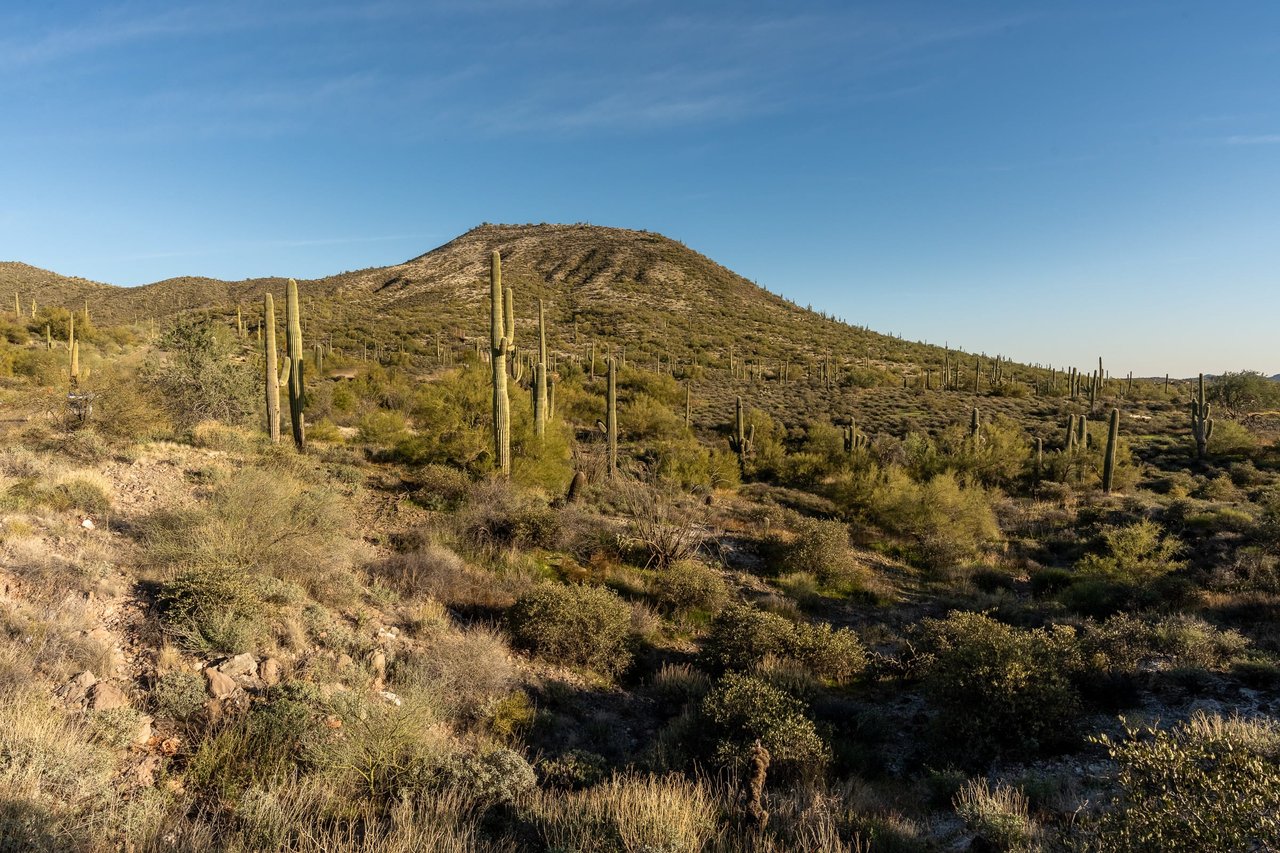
103	696
240	666
270	672
220	685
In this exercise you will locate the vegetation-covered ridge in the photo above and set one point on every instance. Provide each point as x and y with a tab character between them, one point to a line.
491	573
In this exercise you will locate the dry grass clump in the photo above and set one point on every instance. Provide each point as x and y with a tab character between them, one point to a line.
461	672
51	775
630	813
259	521
434	570
997	815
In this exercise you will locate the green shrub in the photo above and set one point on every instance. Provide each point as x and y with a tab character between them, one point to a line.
256	520
820	547
200	377
1206	784
493	776
1135	554
576	625
946	522
742	638
742	709
212	610
998	690
178	695
688	585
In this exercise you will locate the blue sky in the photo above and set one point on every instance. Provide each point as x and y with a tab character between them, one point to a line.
1049	181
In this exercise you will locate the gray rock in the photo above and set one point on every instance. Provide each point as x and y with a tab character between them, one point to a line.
240	666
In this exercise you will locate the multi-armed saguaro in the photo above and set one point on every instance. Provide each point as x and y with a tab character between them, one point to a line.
502	341
294	361
743	437
1201	423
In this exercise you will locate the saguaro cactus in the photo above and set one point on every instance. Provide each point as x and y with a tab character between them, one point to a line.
273	379
1109	460
295	362
540	405
1070	444
975	424
743	436
1201	423
501	343
688	405
611	416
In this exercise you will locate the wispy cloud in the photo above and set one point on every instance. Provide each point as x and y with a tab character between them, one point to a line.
1254	139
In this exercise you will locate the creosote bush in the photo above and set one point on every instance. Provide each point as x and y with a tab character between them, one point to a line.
1207	784
999	691
576	625
741	709
686	586
742	638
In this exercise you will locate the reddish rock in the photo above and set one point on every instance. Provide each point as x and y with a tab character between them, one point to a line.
220	684
103	696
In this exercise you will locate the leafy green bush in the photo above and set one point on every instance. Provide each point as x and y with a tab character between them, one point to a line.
1206	784
199	376
998	690
178	695
577	625
742	709
945	521
820	547
742	638
1135	554
688	585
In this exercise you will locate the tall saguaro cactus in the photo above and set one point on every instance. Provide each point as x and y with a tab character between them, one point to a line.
501	343
540	405
294	361
743	436
273	379
611	416
1109	460
1201	423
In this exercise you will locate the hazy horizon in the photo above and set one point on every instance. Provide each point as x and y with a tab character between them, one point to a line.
1047	183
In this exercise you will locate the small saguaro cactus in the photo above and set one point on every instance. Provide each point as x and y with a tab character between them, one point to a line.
295	361
1070	445
1109	460
743	436
1201	423
975	424
688	405
853	440
501	344
1082	432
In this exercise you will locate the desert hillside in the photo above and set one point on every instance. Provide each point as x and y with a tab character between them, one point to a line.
707	572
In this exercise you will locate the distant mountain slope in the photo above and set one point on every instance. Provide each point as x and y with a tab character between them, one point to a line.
637	289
